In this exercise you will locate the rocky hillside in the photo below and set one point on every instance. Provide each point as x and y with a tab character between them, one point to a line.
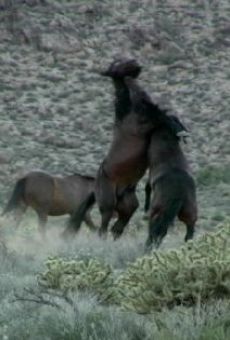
56	112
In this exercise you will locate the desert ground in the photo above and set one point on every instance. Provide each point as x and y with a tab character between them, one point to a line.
56	114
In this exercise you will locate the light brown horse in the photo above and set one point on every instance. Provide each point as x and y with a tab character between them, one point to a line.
174	191
50	196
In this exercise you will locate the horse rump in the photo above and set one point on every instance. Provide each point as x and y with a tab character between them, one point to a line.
161	220
174	196
17	196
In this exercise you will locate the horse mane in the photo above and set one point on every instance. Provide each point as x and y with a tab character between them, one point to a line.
144	105
123	103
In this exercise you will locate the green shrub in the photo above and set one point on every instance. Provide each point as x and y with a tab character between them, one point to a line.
89	275
197	272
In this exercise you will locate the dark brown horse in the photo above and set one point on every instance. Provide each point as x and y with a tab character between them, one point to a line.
50	195
127	159
148	189
174	192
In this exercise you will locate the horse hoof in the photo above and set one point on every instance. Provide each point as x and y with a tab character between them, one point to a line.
146	216
93	229
102	234
116	234
67	235
148	248
3	248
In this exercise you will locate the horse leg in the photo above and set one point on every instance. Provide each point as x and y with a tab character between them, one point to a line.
154	242
105	193
126	207
19	215
190	232
188	215
106	215
147	197
155	235
89	222
42	220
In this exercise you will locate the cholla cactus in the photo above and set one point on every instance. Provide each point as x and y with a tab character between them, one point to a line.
90	275
198	271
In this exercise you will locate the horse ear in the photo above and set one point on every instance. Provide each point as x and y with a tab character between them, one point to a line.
178	125
183	135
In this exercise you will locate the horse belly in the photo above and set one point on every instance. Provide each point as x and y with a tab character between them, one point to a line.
62	204
126	161
58	210
129	171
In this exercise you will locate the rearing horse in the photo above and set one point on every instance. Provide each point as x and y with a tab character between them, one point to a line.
127	159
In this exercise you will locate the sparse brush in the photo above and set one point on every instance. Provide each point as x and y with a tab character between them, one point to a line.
89	275
197	272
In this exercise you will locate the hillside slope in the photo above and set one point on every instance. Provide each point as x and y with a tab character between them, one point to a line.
56	111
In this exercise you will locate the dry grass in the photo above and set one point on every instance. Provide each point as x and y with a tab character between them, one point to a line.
56	115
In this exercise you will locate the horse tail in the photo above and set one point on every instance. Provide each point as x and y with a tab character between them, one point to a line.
16	197
78	216
159	226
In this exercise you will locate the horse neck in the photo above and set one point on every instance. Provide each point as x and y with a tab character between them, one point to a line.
122	99
136	92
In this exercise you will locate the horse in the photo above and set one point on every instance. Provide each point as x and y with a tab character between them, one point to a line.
183	134
173	185
50	196
127	159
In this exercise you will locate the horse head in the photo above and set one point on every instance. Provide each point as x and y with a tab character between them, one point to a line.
121	68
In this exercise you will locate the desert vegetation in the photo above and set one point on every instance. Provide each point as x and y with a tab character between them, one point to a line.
57	114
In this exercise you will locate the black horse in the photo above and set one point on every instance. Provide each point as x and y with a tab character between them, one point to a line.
173	187
183	134
127	160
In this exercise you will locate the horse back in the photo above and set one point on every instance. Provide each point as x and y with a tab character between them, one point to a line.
56	195
69	192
